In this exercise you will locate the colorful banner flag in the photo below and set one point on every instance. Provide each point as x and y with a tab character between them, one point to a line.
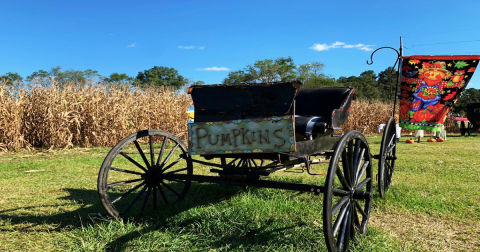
430	86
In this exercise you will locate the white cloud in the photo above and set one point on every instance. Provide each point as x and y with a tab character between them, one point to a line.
325	47
132	45
214	69
191	47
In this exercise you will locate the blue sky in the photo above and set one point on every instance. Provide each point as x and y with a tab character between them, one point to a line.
203	40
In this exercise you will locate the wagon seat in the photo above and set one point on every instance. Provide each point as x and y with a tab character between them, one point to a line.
320	109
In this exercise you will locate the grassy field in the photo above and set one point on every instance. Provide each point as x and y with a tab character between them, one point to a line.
433	205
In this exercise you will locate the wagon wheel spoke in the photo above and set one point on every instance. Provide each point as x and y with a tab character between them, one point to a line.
133	201
152	152
239	164
360	209
365	181
142	154
133	161
353	222
171	189
341	240
162	193
356	220
169	155
145	200
391	143
349	167
389	180
358	163
339	204
124	182
172	164
355	160
345	165
342	179
126	171
161	151
340	192
388	166
232	162
128	192
179	170
339	220
362	171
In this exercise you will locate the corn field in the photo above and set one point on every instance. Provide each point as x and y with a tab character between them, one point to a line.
96	116
88	116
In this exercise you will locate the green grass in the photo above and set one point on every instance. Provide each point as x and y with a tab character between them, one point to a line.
432	205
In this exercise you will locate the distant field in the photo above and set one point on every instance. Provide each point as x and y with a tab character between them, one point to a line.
433	205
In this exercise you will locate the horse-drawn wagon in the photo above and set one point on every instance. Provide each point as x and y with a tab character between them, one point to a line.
246	132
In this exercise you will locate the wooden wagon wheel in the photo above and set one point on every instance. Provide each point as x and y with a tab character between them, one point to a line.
348	191
387	157
243	162
132	176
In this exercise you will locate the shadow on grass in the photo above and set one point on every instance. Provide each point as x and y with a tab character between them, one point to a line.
87	205
222	230
59	218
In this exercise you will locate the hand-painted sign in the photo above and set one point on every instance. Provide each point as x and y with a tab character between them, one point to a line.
257	135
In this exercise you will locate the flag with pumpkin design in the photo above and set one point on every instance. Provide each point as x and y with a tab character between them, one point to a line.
430	85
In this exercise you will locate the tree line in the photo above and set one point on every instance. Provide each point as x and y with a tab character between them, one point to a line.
157	76
368	85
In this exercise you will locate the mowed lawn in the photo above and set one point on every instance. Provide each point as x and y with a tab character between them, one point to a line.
433	205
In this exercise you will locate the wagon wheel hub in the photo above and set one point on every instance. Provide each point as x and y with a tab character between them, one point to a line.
153	177
360	195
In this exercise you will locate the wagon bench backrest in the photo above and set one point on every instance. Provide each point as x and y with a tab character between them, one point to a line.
242	101
331	104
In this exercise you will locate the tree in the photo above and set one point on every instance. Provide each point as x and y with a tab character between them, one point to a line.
58	75
75	76
61	77
11	79
365	85
387	79
470	95
312	76
161	76
263	71
118	79
41	76
91	75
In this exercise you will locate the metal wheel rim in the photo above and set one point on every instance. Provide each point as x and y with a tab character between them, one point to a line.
386	164
148	182
347	179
